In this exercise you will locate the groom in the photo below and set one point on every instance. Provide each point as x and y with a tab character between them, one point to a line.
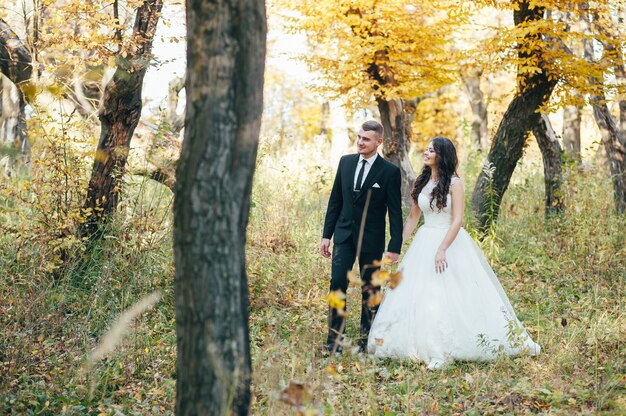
366	187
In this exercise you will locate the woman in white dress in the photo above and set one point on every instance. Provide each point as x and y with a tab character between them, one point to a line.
449	305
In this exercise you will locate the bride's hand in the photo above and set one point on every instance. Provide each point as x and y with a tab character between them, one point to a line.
440	261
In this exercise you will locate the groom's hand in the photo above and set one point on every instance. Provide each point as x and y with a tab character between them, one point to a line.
392	256
324	247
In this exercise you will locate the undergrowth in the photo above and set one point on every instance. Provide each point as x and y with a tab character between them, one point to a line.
564	276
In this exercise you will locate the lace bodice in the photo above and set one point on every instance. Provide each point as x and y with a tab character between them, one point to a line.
432	216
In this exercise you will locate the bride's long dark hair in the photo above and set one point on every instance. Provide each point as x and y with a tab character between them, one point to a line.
447	161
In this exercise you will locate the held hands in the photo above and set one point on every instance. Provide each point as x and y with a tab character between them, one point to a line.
324	247
441	263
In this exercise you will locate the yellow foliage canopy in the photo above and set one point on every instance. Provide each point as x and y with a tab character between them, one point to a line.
389	48
406	48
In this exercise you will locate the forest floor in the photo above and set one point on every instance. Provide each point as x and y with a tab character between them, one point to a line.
564	276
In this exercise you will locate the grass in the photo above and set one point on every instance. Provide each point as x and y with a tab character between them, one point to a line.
565	278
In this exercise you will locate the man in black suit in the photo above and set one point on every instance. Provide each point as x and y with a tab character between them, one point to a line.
361	177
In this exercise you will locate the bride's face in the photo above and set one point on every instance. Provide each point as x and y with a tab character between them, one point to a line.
430	157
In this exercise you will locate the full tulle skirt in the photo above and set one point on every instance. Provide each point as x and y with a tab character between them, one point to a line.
460	314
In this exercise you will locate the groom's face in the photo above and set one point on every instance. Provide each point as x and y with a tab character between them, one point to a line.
368	142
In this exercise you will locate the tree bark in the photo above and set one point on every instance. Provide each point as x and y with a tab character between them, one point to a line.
615	147
225	64
16	64
519	119
15	59
613	138
552	165
571	131
119	114
479	132
87	94
155	154
397	124
176	122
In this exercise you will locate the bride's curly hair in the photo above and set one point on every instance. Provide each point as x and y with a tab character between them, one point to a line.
447	161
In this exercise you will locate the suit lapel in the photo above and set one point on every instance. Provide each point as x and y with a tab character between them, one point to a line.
351	169
371	176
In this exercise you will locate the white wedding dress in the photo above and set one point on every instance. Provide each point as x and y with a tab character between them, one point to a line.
460	314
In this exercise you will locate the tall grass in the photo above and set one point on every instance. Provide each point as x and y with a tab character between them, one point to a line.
565	278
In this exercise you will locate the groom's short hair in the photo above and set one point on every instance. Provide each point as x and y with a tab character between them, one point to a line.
373	125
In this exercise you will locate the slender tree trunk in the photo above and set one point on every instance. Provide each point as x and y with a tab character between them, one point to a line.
613	139
175	121
325	118
572	113
519	119
479	132
396	142
615	147
119	114
22	128
571	131
225	63
552	165
620	75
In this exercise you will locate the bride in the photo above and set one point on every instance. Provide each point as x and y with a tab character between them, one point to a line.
449	305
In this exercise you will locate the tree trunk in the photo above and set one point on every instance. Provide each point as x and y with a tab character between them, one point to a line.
622	115
15	59
22	129
613	138
615	147
225	64
16	64
119	114
571	131
396	142
176	122
519	119
552	165
479	133
87	94
155	154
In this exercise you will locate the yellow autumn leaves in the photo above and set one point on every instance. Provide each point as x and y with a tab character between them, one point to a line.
336	299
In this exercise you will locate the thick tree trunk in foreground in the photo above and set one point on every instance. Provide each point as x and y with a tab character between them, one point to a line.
552	165
119	114
397	124
225	63
519	119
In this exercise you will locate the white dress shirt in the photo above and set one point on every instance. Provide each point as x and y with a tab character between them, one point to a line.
366	169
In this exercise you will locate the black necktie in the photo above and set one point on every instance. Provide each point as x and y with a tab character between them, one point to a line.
359	178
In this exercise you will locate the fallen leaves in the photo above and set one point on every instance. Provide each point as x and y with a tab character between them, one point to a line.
297	395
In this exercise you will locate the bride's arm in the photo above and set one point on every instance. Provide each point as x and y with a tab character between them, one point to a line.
411	221
457	194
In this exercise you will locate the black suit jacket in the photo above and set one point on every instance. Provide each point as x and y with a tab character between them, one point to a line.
345	206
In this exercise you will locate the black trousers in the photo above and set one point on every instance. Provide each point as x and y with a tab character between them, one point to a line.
343	258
